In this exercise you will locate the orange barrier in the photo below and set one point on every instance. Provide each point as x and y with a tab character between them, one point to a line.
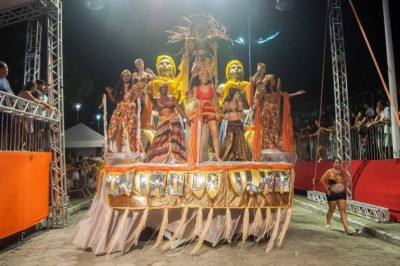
375	182
24	190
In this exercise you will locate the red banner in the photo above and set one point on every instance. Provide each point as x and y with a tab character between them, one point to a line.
376	182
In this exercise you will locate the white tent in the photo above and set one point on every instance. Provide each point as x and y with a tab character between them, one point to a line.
81	136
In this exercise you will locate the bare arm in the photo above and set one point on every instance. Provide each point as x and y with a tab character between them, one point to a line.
224	107
28	96
324	180
300	92
150	74
151	98
109	91
180	110
240	109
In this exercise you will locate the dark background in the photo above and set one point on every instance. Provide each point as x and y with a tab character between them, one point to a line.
98	45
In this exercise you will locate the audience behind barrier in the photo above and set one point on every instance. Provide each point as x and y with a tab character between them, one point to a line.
81	172
370	133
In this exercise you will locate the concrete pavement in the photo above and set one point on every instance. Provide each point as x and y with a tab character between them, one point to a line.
389	232
307	243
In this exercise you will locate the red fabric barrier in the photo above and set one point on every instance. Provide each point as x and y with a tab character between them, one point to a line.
24	190
376	182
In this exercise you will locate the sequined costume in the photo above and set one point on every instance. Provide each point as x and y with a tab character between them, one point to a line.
270	117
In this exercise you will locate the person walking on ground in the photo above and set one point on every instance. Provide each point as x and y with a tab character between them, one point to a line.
335	184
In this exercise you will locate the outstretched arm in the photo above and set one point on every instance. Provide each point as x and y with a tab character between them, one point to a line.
300	92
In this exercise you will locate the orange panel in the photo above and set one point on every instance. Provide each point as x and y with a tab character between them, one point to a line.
24	190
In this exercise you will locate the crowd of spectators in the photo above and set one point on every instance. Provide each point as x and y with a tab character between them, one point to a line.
81	173
20	132
370	133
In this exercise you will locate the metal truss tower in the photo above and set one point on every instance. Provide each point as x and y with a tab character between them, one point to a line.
32	50
342	119
33	11
59	199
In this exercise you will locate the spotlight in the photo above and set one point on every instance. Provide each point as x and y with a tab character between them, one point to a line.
94	4
284	5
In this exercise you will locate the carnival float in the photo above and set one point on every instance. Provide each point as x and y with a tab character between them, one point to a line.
194	161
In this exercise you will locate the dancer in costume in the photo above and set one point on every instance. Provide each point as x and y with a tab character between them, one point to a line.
260	74
141	78
336	193
123	122
200	37
168	144
166	70
235	147
270	104
206	111
142	74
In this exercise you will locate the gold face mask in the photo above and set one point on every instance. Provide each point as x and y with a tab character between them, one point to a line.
165	66
234	70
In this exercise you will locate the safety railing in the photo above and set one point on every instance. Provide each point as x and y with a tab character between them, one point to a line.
367	143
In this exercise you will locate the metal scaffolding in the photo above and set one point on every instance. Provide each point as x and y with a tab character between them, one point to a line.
342	119
33	11
32	50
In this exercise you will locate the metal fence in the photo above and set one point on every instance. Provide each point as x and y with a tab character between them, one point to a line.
20	133
367	143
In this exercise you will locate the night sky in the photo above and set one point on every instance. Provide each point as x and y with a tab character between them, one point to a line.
98	45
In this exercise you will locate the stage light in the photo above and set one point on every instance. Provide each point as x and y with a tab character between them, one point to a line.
94	4
98	116
240	40
77	107
284	5
260	41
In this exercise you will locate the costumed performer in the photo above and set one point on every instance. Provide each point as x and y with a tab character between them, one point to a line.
208	111
235	147
123	127
141	78
270	103
166	70
169	144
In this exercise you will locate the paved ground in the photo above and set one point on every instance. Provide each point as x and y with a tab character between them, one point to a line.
307	243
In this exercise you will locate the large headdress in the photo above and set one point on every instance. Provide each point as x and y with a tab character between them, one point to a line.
162	57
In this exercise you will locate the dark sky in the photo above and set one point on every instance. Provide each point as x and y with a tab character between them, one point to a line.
100	44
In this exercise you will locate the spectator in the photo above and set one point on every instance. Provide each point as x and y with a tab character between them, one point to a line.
4	84
28	91
386	120
42	90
